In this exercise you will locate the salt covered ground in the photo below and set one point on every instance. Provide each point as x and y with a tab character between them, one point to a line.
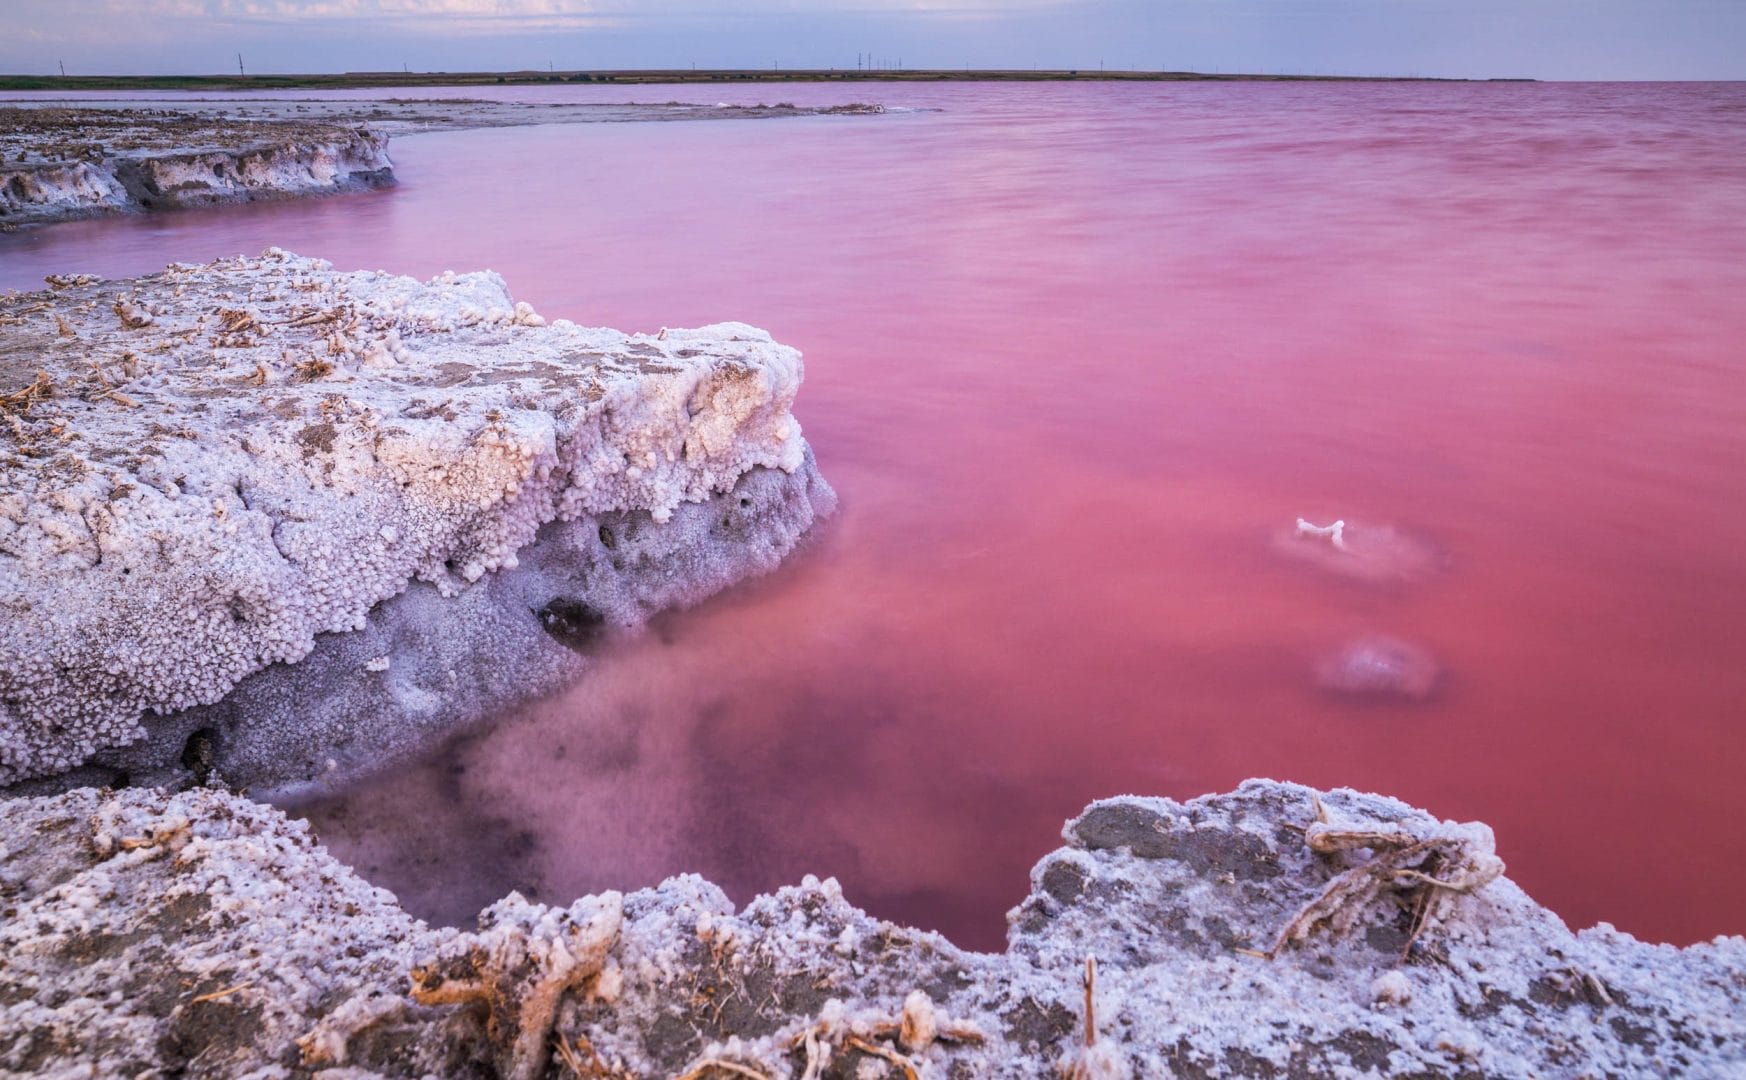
1272	931
222	481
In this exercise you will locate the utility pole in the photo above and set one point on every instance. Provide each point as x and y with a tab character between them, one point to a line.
239	67
63	64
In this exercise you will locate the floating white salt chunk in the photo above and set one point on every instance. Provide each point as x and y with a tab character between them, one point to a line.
1358	550
1335	533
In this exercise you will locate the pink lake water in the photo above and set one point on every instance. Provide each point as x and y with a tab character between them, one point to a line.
1077	356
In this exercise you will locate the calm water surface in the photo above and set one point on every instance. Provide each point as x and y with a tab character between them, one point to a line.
1076	356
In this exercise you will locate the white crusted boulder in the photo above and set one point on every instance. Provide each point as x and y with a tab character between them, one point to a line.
203	470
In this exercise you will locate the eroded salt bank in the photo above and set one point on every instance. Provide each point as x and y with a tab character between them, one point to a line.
86	157
58	163
218	471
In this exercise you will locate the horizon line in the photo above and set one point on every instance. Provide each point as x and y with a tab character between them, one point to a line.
775	73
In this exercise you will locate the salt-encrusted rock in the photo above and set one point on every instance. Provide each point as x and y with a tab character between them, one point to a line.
204	470
62	163
202	932
425	664
339	162
203	935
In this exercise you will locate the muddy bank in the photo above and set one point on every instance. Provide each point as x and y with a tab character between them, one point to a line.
1269	932
273	523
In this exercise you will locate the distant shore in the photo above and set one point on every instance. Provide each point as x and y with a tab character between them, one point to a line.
371	79
61	159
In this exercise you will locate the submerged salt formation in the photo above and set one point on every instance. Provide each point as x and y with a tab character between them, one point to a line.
1379	666
1273	931
57	164
213	475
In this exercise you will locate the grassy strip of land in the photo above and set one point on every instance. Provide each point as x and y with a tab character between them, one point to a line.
367	79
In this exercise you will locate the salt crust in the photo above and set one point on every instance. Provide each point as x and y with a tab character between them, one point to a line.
338	161
201	934
426	665
202	470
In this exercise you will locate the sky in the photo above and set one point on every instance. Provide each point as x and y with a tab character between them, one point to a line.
1551	39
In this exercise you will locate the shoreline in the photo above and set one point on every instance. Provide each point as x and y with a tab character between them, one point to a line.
62	162
1233	934
328	440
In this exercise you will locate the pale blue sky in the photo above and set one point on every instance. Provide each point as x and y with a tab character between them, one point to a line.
1554	39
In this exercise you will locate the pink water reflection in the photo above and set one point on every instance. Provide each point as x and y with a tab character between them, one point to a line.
1075	355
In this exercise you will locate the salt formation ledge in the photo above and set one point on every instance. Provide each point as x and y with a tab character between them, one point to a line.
203	470
1242	935
58	164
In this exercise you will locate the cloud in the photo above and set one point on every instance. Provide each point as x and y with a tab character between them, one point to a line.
526	9
94	26
116	22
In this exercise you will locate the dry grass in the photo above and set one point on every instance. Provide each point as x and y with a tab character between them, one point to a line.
702	1069
21	400
226	992
314	368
